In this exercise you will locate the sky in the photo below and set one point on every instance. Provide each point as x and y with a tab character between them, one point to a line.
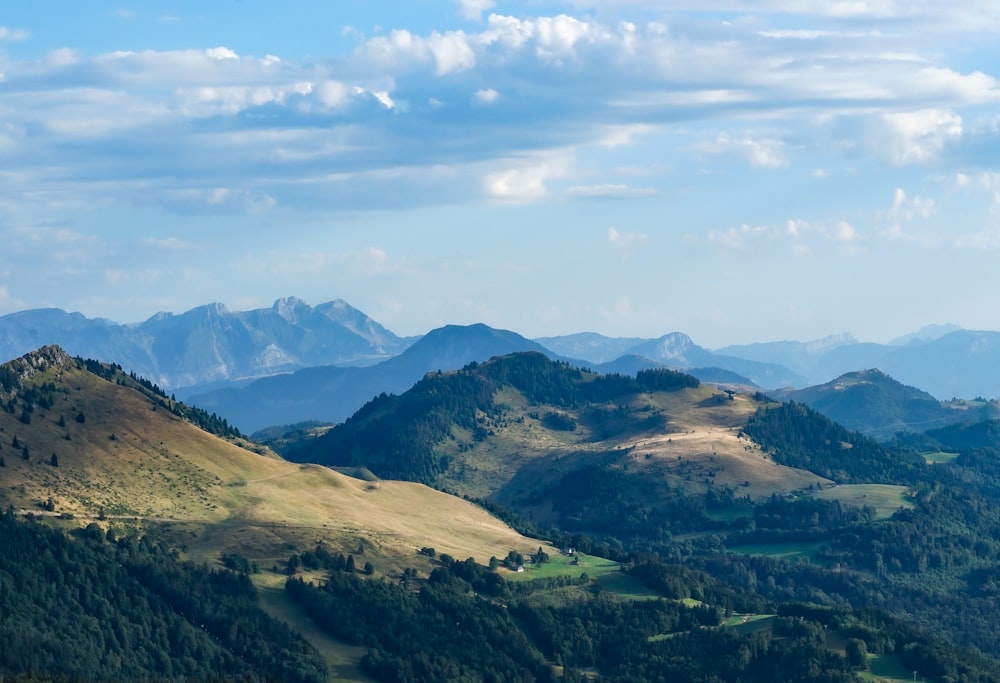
737	171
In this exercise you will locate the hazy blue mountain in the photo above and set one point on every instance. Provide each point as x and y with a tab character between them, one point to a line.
677	350
590	346
962	364
210	344
875	404
800	357
332	394
847	358
925	334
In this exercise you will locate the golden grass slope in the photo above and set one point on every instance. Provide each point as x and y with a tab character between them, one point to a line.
689	440
134	462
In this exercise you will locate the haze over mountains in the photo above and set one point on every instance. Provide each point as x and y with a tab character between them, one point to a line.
293	361
210	343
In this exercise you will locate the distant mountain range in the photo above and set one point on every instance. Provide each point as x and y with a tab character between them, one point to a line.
210	344
332	394
293	362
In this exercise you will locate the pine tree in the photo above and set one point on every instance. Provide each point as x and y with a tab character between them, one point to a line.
54	461
350	564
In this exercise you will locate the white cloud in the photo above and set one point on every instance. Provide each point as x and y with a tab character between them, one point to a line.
917	137
800	236
906	209
486	96
525	182
473	9
844	233
63	57
13	34
759	153
451	52
739	237
221	53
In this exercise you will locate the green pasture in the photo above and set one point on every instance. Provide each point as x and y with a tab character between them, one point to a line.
932	458
886	669
607	574
885	498
562	565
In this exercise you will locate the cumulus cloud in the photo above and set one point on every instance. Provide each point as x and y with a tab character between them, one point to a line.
905	209
917	137
486	96
473	9
221	53
525	182
450	52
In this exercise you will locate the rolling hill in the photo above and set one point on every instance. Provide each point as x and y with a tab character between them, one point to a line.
873	403
559	444
87	441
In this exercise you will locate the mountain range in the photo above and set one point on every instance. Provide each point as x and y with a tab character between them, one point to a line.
294	362
209	344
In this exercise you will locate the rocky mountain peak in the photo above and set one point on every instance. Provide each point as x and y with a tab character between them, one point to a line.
16	372
290	308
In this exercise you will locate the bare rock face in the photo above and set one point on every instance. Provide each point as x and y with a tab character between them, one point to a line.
15	373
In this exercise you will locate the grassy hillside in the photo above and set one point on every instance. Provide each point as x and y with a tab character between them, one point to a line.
566	447
121	454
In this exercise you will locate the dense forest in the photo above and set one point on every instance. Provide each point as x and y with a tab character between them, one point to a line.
93	607
460	626
798	436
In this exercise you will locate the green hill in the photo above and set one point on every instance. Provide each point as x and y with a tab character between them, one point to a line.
564	446
873	403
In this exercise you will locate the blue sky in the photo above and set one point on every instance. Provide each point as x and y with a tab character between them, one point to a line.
736	171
